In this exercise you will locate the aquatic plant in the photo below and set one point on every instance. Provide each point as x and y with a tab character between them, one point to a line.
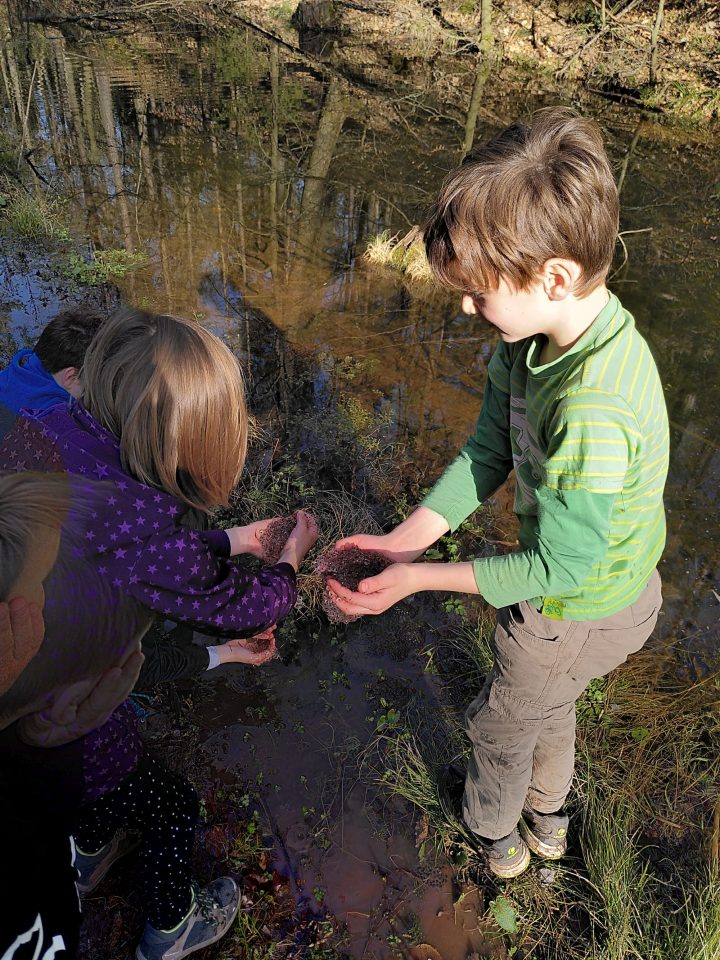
101	266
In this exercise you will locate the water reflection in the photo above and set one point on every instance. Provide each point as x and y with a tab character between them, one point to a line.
227	158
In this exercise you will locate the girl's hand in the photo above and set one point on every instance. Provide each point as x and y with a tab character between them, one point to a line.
247	539
251	650
375	594
303	536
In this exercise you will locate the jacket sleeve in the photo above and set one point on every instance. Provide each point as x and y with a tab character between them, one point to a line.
182	577
485	461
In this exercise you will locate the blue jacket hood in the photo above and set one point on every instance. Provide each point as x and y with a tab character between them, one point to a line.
26	384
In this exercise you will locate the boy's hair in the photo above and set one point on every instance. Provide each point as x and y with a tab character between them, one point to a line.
27	501
173	394
529	194
64	341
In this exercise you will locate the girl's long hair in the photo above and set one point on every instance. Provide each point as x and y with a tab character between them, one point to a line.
173	394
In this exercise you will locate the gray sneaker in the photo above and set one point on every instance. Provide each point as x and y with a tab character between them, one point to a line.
211	916
93	867
506	858
545	833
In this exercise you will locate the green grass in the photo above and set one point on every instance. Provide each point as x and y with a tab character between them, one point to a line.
102	267
33	218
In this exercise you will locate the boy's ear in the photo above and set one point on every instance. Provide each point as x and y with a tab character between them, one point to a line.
559	277
68	378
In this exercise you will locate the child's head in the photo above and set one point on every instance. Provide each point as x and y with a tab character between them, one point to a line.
62	345
32	509
173	394
89	626
530	194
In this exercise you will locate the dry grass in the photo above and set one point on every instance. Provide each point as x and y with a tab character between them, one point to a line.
405	255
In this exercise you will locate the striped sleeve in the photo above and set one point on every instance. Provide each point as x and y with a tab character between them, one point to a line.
592	441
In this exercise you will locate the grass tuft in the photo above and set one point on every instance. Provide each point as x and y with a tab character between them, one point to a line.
33	218
405	255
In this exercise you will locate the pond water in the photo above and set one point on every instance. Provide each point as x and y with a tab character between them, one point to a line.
252	177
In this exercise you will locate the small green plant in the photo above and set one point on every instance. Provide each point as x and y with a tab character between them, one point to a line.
388	720
103	266
504	914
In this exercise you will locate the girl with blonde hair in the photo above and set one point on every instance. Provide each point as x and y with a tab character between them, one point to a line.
165	427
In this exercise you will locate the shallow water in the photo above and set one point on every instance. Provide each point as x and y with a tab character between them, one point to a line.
253	179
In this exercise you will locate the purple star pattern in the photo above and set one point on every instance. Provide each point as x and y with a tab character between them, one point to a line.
153	558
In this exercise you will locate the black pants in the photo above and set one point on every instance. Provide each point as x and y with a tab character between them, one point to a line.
170	656
164	808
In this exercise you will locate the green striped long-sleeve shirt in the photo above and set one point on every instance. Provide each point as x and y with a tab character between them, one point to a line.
587	436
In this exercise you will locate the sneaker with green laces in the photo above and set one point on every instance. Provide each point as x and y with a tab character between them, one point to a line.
545	833
92	867
211	915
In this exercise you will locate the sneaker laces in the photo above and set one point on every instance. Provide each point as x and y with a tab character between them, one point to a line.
206	903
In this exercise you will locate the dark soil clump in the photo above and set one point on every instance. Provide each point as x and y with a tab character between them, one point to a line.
275	536
348	566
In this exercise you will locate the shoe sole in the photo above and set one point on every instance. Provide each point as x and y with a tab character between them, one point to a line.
545	850
507	873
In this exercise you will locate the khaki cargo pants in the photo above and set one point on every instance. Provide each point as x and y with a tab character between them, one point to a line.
522	724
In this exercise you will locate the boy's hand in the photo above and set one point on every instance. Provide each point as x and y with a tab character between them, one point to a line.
83	706
385	545
406	542
303	536
375	594
247	539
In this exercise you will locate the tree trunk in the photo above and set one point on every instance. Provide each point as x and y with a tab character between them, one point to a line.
654	38
315	15
487	38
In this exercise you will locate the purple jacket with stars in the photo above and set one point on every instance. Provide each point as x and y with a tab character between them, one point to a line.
136	540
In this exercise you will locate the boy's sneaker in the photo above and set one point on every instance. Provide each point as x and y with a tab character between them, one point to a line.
210	918
92	867
545	833
506	858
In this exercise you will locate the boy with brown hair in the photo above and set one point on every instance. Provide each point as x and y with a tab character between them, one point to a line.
525	230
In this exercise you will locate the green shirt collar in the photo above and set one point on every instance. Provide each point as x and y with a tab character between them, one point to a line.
598	331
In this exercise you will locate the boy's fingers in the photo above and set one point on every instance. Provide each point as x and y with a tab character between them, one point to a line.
340	591
347	601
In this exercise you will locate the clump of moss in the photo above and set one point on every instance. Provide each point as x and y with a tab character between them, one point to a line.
274	537
348	566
